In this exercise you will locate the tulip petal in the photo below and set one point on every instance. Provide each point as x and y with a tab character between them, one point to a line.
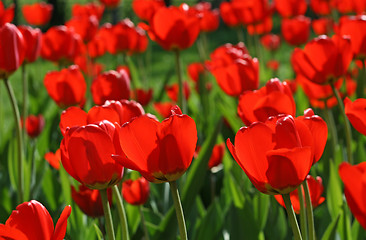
61	224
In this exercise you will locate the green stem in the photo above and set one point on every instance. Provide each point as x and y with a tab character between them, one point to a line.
178	210
332	127
33	164
346	123
20	140
121	213
309	211
107	215
361	82
302	214
143	222
181	101
25	96
292	217
240	34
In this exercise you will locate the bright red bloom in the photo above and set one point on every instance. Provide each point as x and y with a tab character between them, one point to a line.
6	15
90	68
320	7
354	180
89	200
33	40
60	44
110	3
322	25
54	159
347	6
180	32
85	26
38	14
145	9
228	15
351	26
161	152
136	192
89	9
194	71
290	8
323	59
296	31
316	189
356	113
142	96
32	221
34	125
209	19
86	154
12	49
262	27
273	65
251	11
235	71
173	91
163	108
113	111
272	99
265	151
110	85
217	155
271	41
66	87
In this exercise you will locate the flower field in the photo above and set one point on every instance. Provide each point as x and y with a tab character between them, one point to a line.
158	119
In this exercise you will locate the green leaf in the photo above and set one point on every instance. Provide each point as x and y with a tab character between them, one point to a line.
234	191
261	204
49	189
334	191
13	164
133	217
330	233
98	232
65	184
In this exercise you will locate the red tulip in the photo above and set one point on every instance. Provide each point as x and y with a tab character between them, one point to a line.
142	96
217	155
251	11
322	25
320	7
271	41
209	19
110	3
351	26
161	152
90	68
290	8
163	108
89	9
180	32
323	59
273	65
6	15
32	221
348	6
38	14
229	15
114	111
110	85
316	189
60	44
86	154
296	31
145	9
272	99
54	159
136	192
34	125
353	178
173	91
85	26
33	40
89	200
262	27
195	70
12	49
356	113
66	87
265	151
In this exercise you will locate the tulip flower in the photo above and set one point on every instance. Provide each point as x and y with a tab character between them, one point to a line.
251	11
34	125
66	87
85	26
6	15
89	200
323	59
142	96
273	65
316	189
271	41
136	192
265	151
356	113
32	221
86	154
262	27
353	178
89	9
12	49
209	19
110	85
38	14
320	7
290	8
90	68
272	99
33	40
173	90
54	159
161	152
322	25
163	108
110	3
217	155
145	9
229	15
194	71
296	31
